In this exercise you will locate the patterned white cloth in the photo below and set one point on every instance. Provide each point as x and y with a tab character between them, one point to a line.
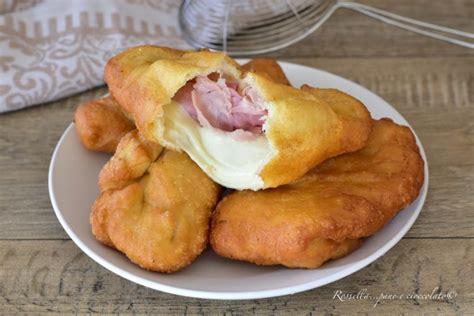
50	49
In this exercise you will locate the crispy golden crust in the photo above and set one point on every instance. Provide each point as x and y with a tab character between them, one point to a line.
158	212
122	70
132	159
101	124
308	126
302	128
268	68
354	117
324	213
390	162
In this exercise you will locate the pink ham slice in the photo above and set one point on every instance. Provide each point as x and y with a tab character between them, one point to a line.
218	104
183	97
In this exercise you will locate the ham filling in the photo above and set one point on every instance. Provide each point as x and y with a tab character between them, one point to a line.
218	104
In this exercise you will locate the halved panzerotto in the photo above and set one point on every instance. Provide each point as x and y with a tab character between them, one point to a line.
245	131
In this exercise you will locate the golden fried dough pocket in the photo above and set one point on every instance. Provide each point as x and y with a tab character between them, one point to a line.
101	124
155	205
324	214
245	130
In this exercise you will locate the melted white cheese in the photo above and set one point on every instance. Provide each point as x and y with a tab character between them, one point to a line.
232	163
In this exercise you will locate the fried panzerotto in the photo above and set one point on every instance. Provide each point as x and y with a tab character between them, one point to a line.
155	205
101	124
244	129
324	214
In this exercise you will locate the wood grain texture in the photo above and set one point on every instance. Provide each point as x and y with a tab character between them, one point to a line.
429	82
55	276
27	141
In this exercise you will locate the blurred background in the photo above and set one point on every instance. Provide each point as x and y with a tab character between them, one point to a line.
50	49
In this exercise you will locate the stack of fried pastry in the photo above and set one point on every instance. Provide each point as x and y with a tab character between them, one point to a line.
311	173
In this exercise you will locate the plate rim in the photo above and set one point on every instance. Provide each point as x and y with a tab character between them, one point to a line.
240	295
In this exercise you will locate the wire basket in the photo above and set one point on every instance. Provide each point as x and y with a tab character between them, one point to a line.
250	27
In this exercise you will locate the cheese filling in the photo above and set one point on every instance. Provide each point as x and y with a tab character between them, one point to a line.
231	161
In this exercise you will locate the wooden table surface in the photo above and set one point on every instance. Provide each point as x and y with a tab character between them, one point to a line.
429	82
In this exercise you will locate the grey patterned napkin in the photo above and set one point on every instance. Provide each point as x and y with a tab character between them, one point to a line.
50	49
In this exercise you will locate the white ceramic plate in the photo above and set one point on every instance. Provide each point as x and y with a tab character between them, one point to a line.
73	188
